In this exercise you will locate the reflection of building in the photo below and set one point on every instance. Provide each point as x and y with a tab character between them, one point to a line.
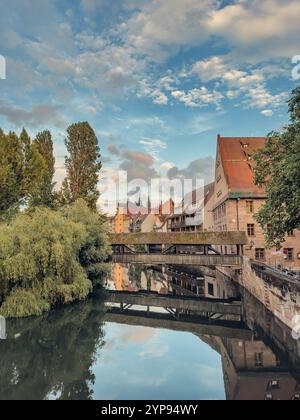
253	372
120	277
193	214
237	199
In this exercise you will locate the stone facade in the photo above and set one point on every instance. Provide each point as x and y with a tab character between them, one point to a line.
237	199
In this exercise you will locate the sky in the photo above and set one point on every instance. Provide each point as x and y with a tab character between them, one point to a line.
158	80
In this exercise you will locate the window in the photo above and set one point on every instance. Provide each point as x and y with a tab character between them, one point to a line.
259	359
274	385
291	233
260	254
251	230
250	206
288	254
211	289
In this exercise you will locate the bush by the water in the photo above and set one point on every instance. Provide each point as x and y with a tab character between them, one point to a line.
50	257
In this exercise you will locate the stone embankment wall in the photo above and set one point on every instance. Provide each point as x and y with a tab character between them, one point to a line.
283	300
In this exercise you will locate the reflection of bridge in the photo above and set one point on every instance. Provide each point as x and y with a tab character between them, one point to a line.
178	248
196	315
184	303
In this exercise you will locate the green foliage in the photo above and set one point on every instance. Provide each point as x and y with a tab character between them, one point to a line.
26	171
43	194
11	171
83	165
278	169
48	257
24	303
95	251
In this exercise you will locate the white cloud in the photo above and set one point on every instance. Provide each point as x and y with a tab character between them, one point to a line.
162	25
159	98
153	146
167	165
251	83
196	98
211	69
265	29
146	89
260	97
267	112
84	40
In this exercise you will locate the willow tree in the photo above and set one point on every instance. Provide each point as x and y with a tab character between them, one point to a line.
49	257
278	169
95	251
83	164
39	264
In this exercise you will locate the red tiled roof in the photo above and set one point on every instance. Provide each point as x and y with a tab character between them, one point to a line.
236	155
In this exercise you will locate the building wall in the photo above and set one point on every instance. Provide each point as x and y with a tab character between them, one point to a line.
150	222
208	217
235	215
221	188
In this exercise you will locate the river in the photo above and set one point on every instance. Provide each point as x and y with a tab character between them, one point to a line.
101	350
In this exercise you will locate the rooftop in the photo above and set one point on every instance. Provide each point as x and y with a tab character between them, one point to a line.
237	159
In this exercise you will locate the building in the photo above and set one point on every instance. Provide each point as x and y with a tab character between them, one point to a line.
237	199
120	222
133	219
194	213
148	223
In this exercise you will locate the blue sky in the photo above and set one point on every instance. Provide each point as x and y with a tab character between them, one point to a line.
157	79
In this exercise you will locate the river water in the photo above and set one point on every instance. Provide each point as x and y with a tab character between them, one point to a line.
99	350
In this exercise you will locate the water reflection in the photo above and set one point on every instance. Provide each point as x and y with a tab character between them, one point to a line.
154	344
51	357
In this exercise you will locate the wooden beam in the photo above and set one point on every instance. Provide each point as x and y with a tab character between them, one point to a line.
226	329
179	259
196	304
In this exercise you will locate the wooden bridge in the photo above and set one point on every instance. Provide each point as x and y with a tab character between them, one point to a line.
196	315
178	248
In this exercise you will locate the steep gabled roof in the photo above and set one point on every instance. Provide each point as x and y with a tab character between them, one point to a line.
236	155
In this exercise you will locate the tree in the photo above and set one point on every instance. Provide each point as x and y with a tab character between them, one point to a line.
278	170
25	141
83	164
36	192
51	257
43	145
11	172
26	171
96	250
